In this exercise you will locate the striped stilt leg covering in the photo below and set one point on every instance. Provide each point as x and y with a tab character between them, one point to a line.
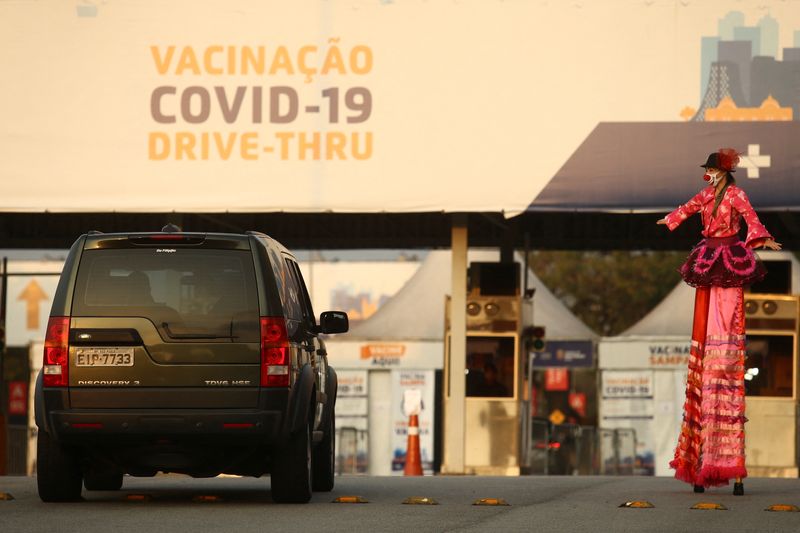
723	403
689	449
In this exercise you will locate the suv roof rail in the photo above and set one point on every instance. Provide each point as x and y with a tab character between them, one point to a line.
171	228
259	233
94	232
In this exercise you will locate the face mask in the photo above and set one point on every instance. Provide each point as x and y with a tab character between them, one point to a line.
713	178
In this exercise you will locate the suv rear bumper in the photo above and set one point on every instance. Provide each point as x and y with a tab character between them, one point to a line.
241	426
264	424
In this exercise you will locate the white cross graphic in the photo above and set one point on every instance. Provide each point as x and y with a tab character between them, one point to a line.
753	160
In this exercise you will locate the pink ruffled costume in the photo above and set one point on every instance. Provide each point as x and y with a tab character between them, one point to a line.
710	448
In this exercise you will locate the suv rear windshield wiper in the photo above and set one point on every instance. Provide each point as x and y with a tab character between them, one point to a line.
172	335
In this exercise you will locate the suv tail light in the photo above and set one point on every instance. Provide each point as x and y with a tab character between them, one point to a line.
274	352
56	352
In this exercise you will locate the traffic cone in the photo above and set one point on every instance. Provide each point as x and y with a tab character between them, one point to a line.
413	460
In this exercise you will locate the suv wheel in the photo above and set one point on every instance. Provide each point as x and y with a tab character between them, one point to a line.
324	458
102	480
58	473
291	469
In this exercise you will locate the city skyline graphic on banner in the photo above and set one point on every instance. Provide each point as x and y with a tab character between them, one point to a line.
741	76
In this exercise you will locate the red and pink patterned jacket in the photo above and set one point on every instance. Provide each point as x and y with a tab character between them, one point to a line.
728	219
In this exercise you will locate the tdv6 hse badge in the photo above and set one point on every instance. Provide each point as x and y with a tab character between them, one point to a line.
226	382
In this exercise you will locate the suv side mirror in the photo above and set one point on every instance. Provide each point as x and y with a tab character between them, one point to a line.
333	322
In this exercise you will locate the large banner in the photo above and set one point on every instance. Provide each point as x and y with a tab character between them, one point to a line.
352	105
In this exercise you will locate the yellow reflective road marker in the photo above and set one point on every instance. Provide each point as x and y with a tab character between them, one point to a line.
784	507
707	506
420	500
638	504
137	498
206	498
350	499
6	497
491	501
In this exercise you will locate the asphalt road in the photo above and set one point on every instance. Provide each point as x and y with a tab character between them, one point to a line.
536	504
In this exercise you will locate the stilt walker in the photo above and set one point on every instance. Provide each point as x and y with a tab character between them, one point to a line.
710	449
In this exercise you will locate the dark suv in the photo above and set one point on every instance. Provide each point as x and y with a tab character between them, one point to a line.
184	352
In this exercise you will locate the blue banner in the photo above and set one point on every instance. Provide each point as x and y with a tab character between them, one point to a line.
571	354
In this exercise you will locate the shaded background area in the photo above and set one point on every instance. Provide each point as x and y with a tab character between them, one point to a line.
540	230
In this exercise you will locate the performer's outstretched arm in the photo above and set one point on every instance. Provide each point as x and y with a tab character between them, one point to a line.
674	219
757	234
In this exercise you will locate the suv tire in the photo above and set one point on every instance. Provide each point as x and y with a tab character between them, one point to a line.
58	473
290	479
324	459
102	480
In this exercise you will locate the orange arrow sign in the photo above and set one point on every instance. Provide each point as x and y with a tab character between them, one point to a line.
32	295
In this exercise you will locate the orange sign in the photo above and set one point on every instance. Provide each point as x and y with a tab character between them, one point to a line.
368	351
557	417
32	295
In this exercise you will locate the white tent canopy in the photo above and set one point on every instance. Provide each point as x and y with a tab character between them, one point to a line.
416	312
671	317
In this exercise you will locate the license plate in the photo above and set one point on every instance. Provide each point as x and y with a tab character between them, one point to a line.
104	357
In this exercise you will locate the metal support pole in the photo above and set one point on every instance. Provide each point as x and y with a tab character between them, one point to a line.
454	411
3	401
547	451
3	300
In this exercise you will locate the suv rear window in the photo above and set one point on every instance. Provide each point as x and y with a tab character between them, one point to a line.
187	294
